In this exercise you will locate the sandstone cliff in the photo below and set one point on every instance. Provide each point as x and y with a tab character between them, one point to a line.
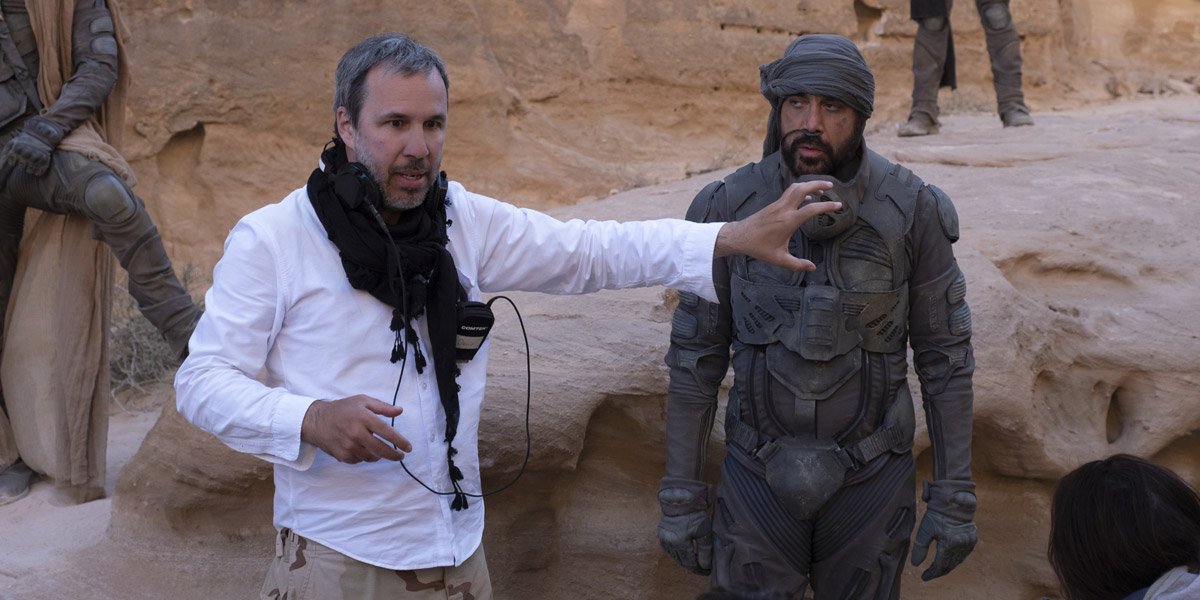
552	102
1076	243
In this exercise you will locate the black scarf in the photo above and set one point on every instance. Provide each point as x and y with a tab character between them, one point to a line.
423	281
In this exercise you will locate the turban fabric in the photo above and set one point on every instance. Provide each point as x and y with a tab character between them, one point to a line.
820	64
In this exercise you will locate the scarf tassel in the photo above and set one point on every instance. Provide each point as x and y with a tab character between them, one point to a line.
397	349
460	501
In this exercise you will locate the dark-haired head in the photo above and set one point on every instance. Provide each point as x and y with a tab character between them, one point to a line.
1117	524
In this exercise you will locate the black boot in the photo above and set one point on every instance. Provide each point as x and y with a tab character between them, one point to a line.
14	482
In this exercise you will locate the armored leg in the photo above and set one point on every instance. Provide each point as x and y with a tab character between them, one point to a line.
758	547
854	548
1004	49
930	51
933	68
77	185
12	223
123	223
861	538
14	475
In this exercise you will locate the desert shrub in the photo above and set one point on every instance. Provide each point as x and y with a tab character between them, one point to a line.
137	354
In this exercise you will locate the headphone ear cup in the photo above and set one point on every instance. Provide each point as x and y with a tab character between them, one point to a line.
370	188
348	188
353	184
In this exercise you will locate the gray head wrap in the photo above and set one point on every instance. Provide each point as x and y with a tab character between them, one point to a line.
821	64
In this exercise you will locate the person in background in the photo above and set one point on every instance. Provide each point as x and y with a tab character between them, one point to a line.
62	92
934	65
816	485
1124	528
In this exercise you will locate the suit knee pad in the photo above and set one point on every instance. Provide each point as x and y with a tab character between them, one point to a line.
995	16
108	200
933	23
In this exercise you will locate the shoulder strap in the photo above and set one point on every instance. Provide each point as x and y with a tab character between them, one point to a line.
702	205
754	179
890	206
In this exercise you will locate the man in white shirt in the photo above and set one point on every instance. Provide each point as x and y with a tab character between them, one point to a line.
328	341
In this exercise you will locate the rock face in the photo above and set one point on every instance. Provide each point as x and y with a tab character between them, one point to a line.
556	101
1077	247
184	484
1083	298
1076	243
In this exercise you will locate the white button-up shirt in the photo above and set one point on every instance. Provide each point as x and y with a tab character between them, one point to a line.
282	328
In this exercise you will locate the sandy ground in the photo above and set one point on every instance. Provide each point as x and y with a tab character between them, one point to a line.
42	527
43	538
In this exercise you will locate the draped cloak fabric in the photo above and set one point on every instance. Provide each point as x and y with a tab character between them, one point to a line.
821	64
54	366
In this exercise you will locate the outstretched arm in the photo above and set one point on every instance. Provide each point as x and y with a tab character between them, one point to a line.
526	250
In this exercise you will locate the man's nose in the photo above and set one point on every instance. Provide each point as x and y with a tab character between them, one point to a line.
415	146
813	120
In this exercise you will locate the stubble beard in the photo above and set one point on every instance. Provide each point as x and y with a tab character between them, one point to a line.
398	200
405	200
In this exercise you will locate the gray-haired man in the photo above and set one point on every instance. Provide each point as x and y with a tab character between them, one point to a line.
346	296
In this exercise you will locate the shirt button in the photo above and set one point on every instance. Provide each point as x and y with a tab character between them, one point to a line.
425	386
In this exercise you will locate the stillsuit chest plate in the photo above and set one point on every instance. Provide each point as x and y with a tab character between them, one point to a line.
858	296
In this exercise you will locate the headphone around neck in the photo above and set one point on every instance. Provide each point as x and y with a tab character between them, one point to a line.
353	184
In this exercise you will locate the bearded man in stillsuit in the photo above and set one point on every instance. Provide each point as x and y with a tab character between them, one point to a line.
816	487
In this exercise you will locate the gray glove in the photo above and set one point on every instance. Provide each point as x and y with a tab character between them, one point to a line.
32	146
685	530
949	519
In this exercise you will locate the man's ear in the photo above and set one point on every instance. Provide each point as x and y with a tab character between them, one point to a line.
344	125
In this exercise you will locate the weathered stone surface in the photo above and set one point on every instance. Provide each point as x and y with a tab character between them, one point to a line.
184	484
556	101
1077	244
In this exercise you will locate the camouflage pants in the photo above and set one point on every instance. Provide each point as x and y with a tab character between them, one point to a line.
306	570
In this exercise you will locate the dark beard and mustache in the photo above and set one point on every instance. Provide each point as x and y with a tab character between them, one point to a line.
829	162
